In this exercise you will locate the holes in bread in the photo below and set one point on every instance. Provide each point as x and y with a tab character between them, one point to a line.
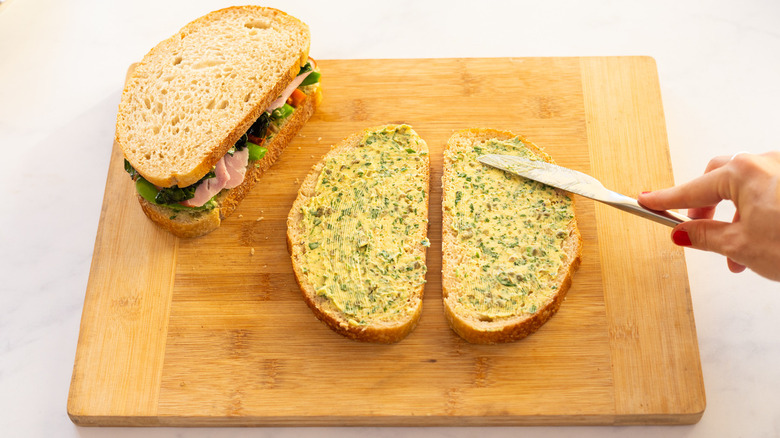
247	97
156	129
223	105
258	24
208	63
210	105
177	60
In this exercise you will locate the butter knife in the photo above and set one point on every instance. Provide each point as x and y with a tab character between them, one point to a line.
577	182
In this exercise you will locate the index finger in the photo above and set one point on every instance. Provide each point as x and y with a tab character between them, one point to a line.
703	192
708	212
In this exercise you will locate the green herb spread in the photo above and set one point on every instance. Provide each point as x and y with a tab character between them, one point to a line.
509	232
365	226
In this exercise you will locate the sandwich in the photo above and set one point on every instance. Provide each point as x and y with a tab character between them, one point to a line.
357	234
510	246
207	111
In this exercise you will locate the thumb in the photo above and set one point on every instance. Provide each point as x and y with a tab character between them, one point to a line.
703	234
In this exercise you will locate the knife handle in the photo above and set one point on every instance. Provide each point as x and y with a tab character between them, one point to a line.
631	205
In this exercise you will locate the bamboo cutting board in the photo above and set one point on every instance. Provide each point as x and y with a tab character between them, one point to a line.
213	331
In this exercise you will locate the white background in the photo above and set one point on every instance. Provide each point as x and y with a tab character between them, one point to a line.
62	66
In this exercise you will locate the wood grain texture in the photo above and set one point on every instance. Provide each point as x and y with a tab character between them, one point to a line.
118	369
220	335
625	117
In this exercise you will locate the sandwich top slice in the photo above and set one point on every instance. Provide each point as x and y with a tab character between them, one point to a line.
509	245
357	234
209	109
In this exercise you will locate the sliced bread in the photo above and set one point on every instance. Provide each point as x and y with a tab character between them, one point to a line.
196	93
509	245
194	223
357	234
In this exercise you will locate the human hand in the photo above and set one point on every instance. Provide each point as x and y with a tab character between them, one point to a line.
752	239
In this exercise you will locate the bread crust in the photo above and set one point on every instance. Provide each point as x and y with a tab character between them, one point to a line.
189	224
513	328
323	308
211	147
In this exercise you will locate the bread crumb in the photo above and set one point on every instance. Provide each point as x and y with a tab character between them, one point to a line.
311	156
297	181
251	251
299	148
259	219
240	215
266	237
319	138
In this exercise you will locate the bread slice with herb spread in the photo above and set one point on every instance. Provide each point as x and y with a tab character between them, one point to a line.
509	245
209	109
357	234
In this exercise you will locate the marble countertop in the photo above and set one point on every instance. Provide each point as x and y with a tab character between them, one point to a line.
62	66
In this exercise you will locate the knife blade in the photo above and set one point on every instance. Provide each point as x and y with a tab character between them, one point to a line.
577	182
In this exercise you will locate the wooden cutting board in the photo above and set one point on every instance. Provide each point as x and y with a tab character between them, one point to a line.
213	331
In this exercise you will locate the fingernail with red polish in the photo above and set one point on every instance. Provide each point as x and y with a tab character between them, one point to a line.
644	193
681	238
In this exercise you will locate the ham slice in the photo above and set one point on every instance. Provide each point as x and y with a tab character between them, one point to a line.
288	91
236	167
230	172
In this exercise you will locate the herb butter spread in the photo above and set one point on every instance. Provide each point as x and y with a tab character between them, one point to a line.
364	227
509	232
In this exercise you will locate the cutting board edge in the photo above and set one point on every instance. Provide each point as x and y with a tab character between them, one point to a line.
389	421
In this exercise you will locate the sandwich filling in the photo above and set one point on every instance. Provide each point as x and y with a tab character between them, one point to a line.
364	228
230	170
509	233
